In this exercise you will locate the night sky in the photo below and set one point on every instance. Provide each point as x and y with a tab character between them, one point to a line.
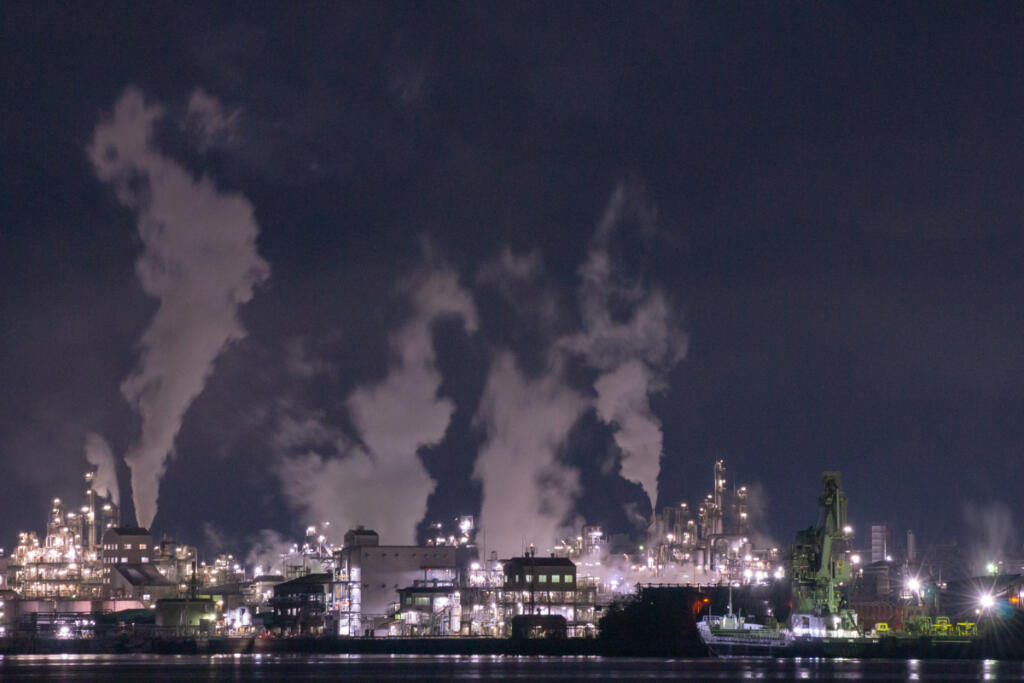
824	200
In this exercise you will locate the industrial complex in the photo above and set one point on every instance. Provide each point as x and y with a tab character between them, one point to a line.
92	576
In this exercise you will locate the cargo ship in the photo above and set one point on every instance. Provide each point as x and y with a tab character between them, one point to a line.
821	624
731	635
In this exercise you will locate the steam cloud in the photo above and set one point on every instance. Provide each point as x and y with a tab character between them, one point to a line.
208	122
528	495
269	551
993	530
98	453
634	350
394	419
199	259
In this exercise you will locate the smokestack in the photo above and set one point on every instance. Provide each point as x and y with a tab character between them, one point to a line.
89	512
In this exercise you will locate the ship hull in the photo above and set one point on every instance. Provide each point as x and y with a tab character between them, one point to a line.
760	643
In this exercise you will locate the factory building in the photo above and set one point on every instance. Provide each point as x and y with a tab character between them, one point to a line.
881	542
369	575
184	616
547	586
6	578
302	606
66	564
128	569
175	561
126	545
428	608
141	582
8	611
714	545
490	598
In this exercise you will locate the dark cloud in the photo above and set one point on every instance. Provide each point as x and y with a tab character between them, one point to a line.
835	190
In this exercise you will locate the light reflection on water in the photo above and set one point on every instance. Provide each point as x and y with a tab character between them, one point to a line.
145	667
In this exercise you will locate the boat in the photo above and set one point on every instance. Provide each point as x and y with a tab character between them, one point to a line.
821	624
731	635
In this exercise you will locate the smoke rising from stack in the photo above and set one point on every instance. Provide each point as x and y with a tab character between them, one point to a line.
528	495
381	481
199	260
104	482
634	349
992	529
269	550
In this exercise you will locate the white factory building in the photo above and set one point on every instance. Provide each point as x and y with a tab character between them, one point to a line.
369	575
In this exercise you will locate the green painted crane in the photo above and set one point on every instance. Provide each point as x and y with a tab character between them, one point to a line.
817	561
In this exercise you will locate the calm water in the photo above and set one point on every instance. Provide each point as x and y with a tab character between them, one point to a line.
425	667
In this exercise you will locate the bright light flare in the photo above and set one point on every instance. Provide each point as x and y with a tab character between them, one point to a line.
913	584
987	601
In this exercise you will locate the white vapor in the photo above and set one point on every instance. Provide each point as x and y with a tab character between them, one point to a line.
199	259
992	529
633	350
104	482
528	495
628	334
206	119
271	552
382	481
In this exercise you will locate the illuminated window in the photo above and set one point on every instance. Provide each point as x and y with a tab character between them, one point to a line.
142	546
568	578
529	578
127	546
422	601
542	578
555	578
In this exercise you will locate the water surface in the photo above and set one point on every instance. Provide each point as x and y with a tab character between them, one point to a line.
486	667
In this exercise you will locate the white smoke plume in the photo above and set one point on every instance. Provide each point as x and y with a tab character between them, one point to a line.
528	495
199	260
992	531
759	512
518	278
104	482
215	539
208	122
634	349
382	481
271	552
